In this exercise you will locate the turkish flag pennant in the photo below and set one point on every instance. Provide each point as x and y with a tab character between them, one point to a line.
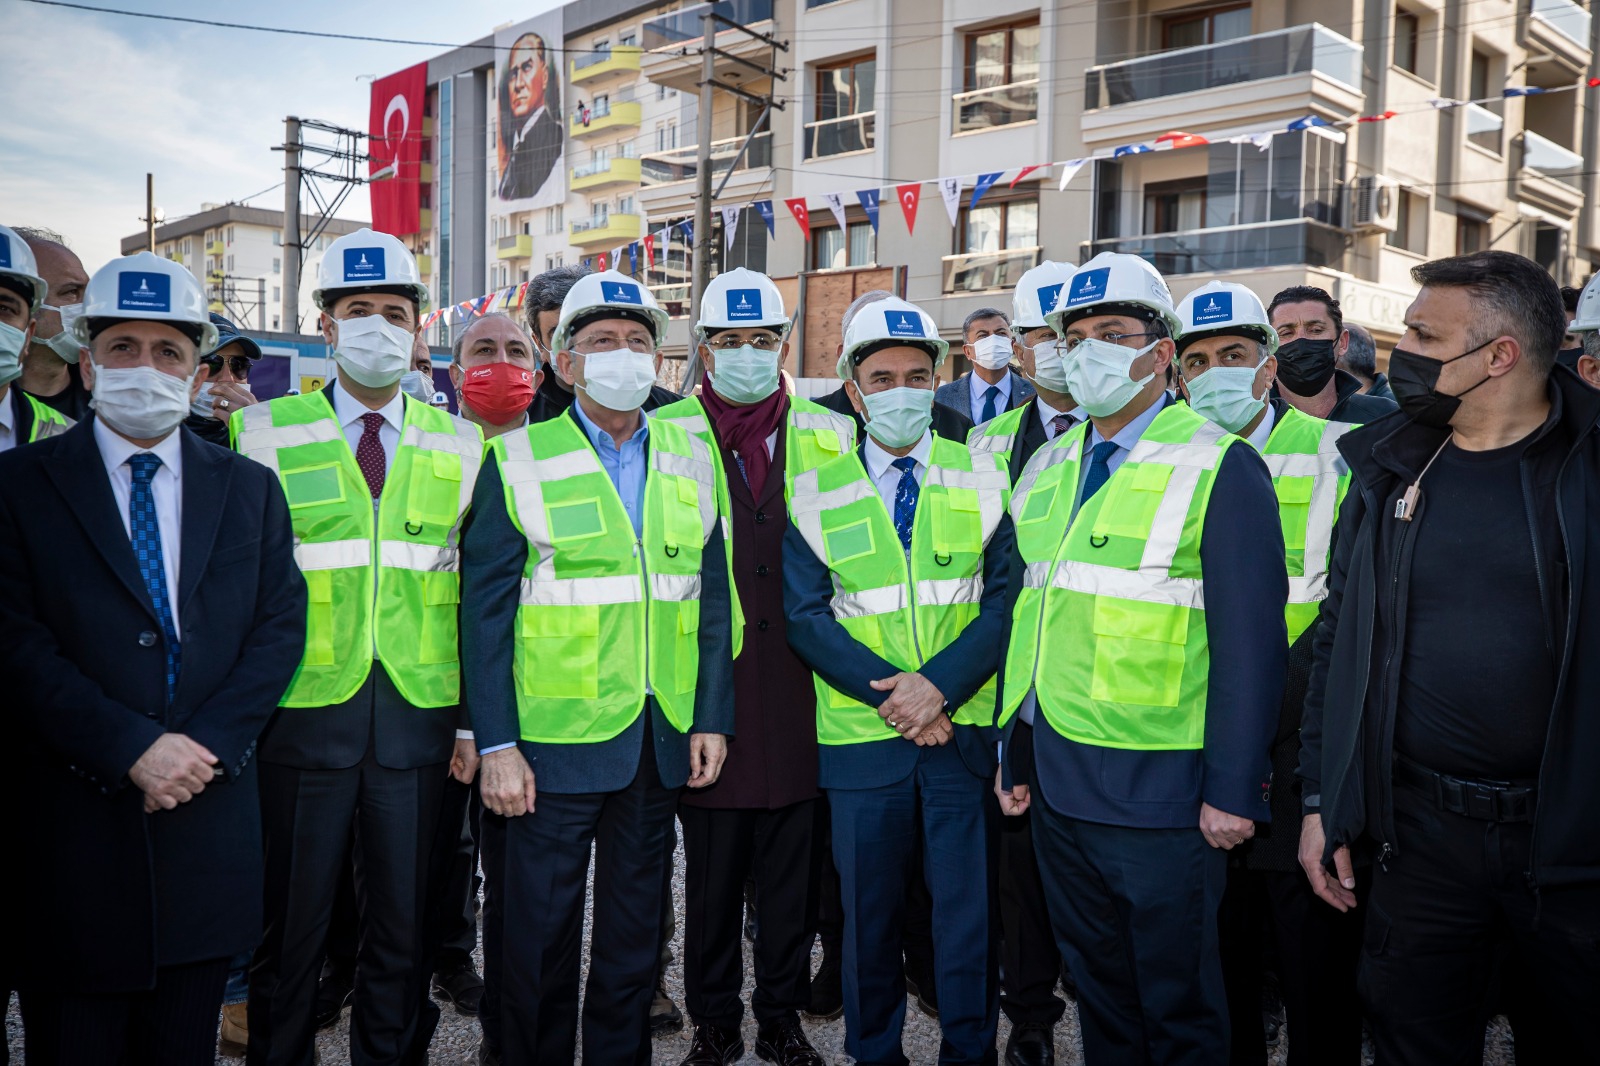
600	261
909	195
1024	172
649	242
797	208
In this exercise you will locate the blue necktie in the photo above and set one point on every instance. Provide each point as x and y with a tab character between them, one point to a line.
1099	470
990	396
146	536
905	500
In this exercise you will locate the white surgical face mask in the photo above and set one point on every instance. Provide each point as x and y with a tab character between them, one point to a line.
1050	366
992	352
418	385
619	380
11	339
897	418
1097	375
1226	395
745	374
371	350
140	402
64	344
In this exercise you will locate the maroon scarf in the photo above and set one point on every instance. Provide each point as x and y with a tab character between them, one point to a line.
745	430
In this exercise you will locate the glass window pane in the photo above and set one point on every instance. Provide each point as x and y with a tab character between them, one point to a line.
1186	32
1024	53
987	65
861	244
1022	225
866	73
828	245
983	230
1288	189
1230	25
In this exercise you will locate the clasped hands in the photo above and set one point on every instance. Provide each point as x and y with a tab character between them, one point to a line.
173	770
915	709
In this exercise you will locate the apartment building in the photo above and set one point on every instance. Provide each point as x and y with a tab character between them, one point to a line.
237	253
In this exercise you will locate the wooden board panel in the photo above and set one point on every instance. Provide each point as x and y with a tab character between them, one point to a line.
827	295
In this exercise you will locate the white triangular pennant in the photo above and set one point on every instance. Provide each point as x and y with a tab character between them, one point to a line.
1069	170
836	205
950	189
730	226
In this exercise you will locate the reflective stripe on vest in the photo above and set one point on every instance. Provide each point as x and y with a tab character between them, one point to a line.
602	613
1109	626
998	435
384	586
47	421
1310	478
904	609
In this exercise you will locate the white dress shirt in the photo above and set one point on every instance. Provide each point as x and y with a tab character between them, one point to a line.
1258	439
1047	415
885	476
166	487
8	422
979	388
348	410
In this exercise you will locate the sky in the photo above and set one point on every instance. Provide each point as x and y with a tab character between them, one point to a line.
98	100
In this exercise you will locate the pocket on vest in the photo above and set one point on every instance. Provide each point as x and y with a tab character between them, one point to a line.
563	651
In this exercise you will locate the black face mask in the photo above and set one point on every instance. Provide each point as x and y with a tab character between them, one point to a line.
1568	357
1305	365
1415	381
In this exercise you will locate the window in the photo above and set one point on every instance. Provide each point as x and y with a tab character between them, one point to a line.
846	99
277	294
1212	26
230	234
1175	206
996	227
666	136
1407	43
552	262
625	205
1000	78
833	250
277	238
1472	234
277	266
1478	77
1411	228
552	220
629	40
230	264
274	323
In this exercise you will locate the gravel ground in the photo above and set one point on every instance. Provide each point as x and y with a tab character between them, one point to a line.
456	1041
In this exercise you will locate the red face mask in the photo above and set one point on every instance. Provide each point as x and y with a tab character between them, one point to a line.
498	392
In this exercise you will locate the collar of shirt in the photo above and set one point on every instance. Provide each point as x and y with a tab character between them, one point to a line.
8	408
879	460
1259	438
1126	437
116	449
526	126
348	410
1047	415
602	440
980	386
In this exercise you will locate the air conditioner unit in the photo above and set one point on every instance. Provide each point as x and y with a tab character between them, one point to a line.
1376	204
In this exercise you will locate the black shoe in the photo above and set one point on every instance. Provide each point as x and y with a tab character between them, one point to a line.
664	1014
334	993
462	987
827	994
1031	1044
785	1043
922	991
714	1046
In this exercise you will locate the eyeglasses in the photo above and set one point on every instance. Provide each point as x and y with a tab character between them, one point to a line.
238	364
1110	338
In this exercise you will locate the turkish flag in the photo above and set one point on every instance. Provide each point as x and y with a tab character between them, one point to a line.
797	208
909	195
649	242
394	144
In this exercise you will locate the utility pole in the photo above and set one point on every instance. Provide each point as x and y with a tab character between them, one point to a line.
291	225
150	212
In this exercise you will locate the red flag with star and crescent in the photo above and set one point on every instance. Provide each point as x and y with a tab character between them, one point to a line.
797	208
909	196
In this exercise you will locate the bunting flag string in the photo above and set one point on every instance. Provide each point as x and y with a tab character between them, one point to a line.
764	209
797	208
909	196
869	204
835	202
982	186
730	226
950	189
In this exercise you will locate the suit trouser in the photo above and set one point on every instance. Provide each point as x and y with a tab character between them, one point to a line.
1135	916
917	934
452	916
1454	886
535	871
175	1024
1030	960
721	849
873	831
310	819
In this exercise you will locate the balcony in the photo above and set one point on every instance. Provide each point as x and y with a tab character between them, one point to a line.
987	271
516	246
623	114
666	39
607	230
623	59
841	136
1551	177
1291	242
1292	71
1562	28
682	164
424	265
214	248
621	171
1484	127
999	105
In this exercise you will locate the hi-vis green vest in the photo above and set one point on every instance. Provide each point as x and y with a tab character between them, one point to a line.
407	553
603	613
1109	627
905	609
1310	478
998	435
47	421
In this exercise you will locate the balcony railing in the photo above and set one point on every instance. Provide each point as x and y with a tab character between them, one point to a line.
1551	160
1265	55
986	271
1484	127
597	64
1291	242
600	166
681	164
516	246
1566	18
674	299
999	105
836	136
686	25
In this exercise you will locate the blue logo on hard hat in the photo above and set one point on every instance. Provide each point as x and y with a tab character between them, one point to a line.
139	291
5	251
744	305
1213	307
1088	286
904	324
364	264
619	292
1048	295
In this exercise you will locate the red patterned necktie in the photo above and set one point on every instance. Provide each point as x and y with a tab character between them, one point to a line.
369	452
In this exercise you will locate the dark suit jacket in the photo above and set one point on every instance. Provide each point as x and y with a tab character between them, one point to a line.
552	399
533	158
493	555
109	892
958	670
947	421
957	395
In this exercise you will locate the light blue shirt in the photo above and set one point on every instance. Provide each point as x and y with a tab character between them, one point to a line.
980	388
1125	438
625	466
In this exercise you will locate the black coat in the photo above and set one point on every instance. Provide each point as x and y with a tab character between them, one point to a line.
1356	406
532	159
947	421
103	893
1347	761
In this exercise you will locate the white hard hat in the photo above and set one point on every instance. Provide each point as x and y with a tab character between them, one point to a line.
16	261
1037	294
149	288
1588	314
891	319
607	290
1220	308
365	261
1110	282
742	298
